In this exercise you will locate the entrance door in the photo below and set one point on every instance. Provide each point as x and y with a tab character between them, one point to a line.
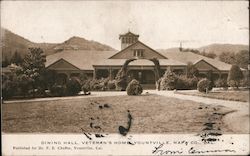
143	76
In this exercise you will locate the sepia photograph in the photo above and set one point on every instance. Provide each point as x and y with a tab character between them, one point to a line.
133	77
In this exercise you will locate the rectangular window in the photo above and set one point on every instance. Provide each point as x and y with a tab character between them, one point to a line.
138	52
134	52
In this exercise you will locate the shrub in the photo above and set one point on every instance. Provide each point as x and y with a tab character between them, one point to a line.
73	86
221	83
121	76
85	90
184	82
235	76
120	84
204	85
134	88
244	83
8	89
96	84
168	81
111	84
233	83
58	90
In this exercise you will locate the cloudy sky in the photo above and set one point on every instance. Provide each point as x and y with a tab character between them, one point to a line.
160	24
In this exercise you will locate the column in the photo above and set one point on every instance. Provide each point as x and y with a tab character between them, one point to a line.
110	74
94	74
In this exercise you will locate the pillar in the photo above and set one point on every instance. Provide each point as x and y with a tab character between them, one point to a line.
110	74
94	74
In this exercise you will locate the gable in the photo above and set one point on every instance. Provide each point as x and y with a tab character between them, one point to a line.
202	65
62	65
128	52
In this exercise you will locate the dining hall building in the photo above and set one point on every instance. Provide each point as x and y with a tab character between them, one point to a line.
103	64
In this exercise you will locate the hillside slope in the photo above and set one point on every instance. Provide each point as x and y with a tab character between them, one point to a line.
219	48
12	43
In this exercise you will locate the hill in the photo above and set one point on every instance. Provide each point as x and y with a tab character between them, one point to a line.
219	48
78	43
12	43
215	48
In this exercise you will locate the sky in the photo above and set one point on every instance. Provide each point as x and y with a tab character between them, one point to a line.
160	24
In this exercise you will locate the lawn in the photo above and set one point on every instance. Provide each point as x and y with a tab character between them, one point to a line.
150	113
232	95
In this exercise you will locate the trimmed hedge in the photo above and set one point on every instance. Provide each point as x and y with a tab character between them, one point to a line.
73	86
58	90
168	81
221	83
183	82
204	85
111	84
98	84
134	88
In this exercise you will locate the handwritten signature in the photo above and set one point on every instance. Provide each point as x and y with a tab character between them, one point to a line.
160	151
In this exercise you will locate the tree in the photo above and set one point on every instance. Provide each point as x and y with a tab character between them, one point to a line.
5	61
235	76
228	57
168	81
73	86
204	85
16	58
210	55
34	67
192	71
242	58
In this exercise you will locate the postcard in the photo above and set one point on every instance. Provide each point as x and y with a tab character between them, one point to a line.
124	78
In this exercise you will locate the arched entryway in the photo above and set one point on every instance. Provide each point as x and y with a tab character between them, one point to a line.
146	71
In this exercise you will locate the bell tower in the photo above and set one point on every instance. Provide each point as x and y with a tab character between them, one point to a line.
128	39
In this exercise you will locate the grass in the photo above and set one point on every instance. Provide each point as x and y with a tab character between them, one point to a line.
150	113
232	95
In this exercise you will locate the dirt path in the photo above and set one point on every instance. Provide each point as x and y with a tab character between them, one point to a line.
238	120
93	94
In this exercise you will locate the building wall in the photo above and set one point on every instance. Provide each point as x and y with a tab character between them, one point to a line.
129	53
62	65
204	66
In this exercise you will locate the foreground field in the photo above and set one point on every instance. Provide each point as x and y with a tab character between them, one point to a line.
150	114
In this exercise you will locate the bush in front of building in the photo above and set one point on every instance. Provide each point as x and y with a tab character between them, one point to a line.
221	83
168	81
204	85
134	88
58	90
244	83
96	84
73	86
8	89
111	84
85	91
184	82
235	76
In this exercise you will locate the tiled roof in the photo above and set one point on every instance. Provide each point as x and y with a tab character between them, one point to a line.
80	58
85	60
187	57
